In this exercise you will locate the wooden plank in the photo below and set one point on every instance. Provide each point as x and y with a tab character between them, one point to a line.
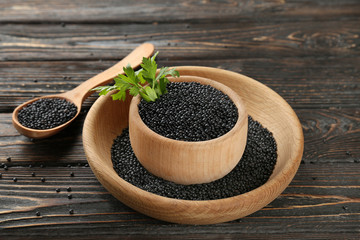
180	41
331	136
300	81
160	11
322	199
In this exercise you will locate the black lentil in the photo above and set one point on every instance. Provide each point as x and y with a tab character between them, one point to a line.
72	174
37	213
15	179
69	196
0	175
8	159
71	211
252	171
33	174
6	167
68	189
57	190
190	111
43	179
47	113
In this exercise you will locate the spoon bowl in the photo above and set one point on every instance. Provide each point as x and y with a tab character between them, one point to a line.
81	92
43	133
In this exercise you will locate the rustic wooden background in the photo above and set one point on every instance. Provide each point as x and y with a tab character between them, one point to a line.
307	51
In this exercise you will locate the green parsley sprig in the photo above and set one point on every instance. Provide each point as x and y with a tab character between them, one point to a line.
135	82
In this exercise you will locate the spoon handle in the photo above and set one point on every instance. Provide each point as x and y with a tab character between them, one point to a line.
81	92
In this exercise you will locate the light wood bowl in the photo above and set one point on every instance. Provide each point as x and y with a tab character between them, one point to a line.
189	162
107	118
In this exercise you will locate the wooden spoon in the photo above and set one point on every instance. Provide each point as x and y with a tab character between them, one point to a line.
81	92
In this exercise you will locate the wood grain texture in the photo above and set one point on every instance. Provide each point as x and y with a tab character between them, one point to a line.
307	51
181	41
111	11
300	81
315	201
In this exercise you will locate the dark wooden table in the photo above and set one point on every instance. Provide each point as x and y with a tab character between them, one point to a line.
307	51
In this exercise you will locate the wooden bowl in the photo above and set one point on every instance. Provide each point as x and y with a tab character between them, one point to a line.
189	162
107	118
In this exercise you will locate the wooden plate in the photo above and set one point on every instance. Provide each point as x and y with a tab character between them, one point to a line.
107	118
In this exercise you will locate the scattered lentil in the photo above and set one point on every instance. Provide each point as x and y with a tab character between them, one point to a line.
190	111
57	190
0	175
252	171
6	167
8	159
69	196
71	211
33	174
37	213
15	179
72	174
46	113
68	189
43	179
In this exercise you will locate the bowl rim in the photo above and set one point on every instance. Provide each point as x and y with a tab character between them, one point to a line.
286	175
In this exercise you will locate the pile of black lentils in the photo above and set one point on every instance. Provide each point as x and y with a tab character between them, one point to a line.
47	113
190	111
252	171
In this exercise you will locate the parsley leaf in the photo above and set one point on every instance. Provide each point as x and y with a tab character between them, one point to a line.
133	81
